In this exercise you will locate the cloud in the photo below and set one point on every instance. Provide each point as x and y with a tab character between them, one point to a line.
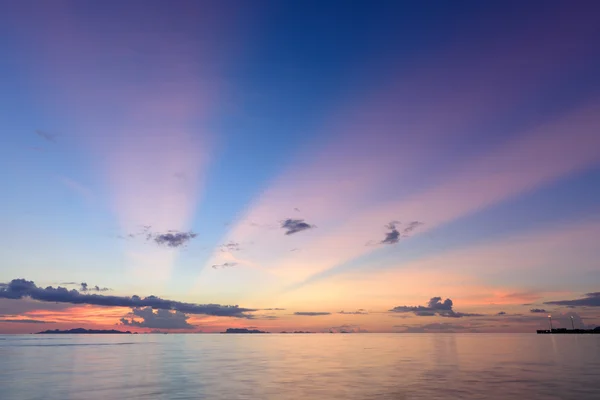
357	312
501	313
26	321
590	300
295	225
21	288
224	265
50	137
174	238
231	246
346	328
435	306
311	313
538	310
86	288
273	309
393	236
161	319
411	227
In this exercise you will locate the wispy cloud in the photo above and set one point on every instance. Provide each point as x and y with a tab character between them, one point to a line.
230	246
312	313
174	238
224	265
292	226
393	236
357	312
86	288
21	288
435	306
26	321
590	300
50	137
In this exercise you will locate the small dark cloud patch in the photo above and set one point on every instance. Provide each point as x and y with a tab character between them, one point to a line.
174	238
396	233
86	288
590	300
292	226
159	319
435	306
24	289
26	321
68	283
273	309
224	265
537	310
312	313
50	137
393	236
501	313
346	328
357	312
231	246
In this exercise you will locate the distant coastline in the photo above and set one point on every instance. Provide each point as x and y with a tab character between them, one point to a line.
243	330
83	331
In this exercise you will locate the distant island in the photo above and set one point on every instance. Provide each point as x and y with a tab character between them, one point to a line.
82	331
297	332
569	331
243	330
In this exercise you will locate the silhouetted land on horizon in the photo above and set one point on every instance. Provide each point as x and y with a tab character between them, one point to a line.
83	331
243	330
565	331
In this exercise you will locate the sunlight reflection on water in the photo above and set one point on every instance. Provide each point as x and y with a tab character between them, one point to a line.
318	366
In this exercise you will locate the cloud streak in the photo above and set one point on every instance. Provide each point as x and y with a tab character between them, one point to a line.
590	300
161	319
311	313
21	288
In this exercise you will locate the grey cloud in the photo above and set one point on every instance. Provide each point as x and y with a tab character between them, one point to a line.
292	226
224	265
174	238
26	321
311	313
50	137
435	306
538	310
21	288
501	313
86	288
346	328
231	246
161	319
393	236
411	227
590	300
273	309
357	312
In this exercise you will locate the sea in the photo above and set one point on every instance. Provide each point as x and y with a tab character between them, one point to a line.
300	366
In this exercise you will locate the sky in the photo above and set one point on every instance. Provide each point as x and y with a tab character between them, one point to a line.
324	166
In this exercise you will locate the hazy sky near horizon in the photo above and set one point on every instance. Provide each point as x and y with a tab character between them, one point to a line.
325	165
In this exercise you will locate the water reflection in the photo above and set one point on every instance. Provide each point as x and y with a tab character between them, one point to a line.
362	366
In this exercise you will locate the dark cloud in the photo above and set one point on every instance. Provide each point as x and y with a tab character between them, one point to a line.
538	310
21	288
68	283
10	307
224	265
311	313
273	309
435	306
590	300
357	312
501	313
161	319
50	137
86	288
292	226
231	246
393	236
173	238
26	321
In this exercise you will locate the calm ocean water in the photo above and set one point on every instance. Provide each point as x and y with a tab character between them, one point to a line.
317	366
